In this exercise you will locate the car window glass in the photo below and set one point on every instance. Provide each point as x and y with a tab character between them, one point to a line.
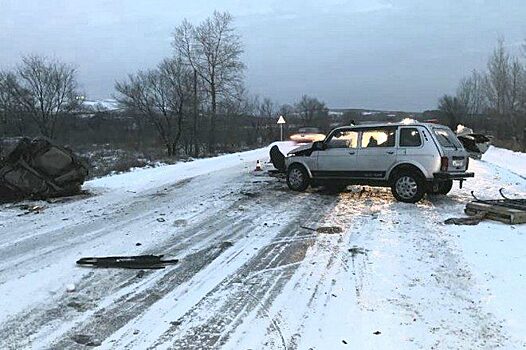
378	138
446	138
343	139
410	137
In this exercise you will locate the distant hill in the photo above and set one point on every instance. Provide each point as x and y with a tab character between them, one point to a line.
101	105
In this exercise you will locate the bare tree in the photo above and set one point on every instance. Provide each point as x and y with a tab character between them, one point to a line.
498	84
161	96
471	93
453	108
267	108
311	109
517	77
213	49
286	110
7	100
45	89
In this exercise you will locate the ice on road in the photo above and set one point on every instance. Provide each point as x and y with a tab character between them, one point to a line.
254	273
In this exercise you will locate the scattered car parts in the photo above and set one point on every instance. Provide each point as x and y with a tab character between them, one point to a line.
475	144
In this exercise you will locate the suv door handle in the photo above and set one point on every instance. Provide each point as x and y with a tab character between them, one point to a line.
390	152
351	152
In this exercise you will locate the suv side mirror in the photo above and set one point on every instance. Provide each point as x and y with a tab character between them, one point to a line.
318	146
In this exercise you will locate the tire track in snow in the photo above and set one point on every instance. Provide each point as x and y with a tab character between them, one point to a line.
249	291
98	285
17	253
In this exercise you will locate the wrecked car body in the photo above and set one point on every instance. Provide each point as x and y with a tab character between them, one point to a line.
475	144
40	169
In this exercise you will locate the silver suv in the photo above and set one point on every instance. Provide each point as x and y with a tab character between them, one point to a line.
412	158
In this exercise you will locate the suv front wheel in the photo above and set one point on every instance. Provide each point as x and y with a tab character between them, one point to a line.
297	178
408	187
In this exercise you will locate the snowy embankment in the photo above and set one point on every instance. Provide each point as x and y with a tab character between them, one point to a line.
506	159
143	179
254	273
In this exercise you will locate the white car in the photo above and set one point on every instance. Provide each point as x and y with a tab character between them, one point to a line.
411	158
307	135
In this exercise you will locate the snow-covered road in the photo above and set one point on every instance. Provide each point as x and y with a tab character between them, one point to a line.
253	274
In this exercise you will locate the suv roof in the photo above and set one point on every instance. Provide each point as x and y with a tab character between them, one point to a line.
387	124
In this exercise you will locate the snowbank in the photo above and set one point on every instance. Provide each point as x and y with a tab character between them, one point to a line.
512	161
143	179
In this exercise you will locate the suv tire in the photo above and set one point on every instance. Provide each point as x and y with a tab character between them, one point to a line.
445	186
442	187
408	186
297	178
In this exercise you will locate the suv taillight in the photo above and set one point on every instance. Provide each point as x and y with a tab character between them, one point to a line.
444	163
467	163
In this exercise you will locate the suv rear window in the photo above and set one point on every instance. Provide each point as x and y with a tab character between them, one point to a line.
446	138
410	137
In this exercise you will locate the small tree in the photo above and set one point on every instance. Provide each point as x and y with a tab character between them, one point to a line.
498	80
453	108
471	93
313	112
7	100
45	89
161	96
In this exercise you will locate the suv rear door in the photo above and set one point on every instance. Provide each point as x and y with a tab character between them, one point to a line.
451	148
377	152
411	147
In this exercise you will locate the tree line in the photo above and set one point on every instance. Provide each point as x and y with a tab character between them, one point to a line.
193	103
493	99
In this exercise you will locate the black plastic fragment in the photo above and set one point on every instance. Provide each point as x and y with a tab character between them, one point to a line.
127	262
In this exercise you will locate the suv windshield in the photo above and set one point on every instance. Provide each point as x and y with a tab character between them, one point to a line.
446	138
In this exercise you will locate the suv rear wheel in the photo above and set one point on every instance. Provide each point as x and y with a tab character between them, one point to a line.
408	187
442	187
297	178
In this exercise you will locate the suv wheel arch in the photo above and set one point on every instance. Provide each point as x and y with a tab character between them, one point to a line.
408	183
405	167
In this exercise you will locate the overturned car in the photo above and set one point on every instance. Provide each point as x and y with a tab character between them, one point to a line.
40	169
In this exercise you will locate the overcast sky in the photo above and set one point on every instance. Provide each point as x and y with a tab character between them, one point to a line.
377	54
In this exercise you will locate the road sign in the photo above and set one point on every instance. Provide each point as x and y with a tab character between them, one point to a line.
281	121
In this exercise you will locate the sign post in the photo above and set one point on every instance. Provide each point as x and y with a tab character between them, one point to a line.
281	121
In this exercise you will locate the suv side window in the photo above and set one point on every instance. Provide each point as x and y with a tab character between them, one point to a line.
378	138
343	139
410	137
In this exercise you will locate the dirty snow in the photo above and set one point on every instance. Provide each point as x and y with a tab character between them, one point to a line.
255	273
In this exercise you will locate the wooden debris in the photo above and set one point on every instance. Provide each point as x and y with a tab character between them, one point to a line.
500	213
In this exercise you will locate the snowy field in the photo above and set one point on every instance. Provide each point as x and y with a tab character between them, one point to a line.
254	273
